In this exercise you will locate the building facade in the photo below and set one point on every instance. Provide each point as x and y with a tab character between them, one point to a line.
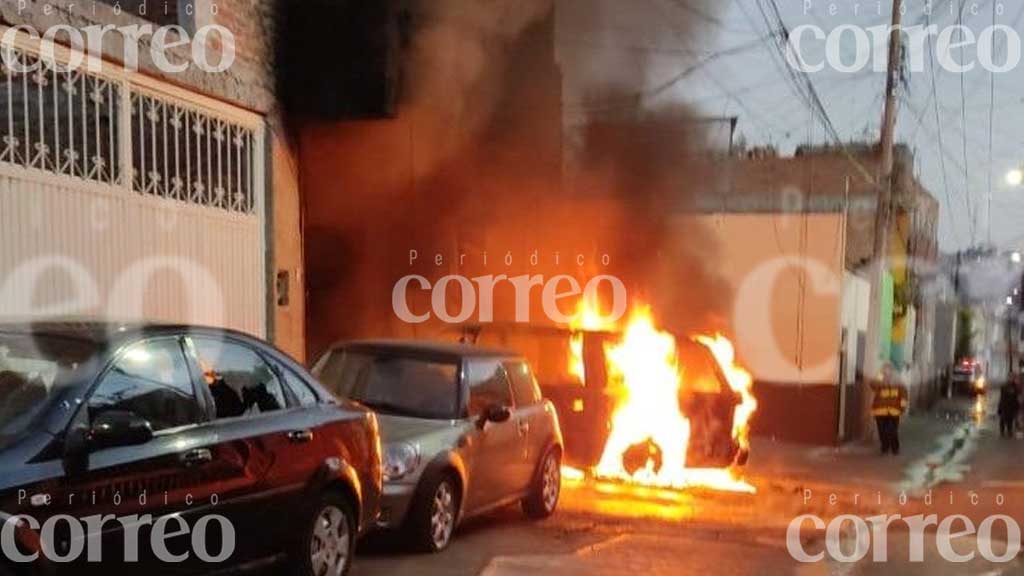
841	181
136	183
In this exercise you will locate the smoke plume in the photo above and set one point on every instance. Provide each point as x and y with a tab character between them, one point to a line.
515	138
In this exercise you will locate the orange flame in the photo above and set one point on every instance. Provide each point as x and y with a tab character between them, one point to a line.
586	317
646	362
739	380
645	365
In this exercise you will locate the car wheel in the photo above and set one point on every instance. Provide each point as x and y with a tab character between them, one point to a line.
327	545
547	487
434	515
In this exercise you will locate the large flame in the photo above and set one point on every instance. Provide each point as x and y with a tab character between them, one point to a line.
587	316
646	363
649	434
740	381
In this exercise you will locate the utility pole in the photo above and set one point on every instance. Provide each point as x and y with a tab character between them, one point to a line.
885	185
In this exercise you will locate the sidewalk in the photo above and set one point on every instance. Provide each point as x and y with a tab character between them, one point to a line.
933	444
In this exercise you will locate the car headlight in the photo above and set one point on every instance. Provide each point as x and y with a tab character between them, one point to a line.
400	459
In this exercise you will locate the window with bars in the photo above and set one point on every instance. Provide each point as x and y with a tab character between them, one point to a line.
69	123
190	156
58	120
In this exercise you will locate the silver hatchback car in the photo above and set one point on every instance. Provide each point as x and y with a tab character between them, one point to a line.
465	430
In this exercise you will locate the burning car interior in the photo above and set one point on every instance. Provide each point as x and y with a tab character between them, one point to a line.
638	405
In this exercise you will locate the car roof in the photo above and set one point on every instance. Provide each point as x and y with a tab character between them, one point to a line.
428	348
104	333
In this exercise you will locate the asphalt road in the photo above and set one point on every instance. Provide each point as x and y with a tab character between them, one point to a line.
603	530
610	530
575	544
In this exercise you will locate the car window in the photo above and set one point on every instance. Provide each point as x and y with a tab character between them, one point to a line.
302	392
34	370
240	381
488	386
524	385
150	379
699	368
393	384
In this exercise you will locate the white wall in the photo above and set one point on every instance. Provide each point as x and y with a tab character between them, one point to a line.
68	247
856	306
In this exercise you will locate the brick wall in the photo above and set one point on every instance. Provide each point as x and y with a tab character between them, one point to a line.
248	83
827	181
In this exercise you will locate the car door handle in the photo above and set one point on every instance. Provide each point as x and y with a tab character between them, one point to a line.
196	457
301	436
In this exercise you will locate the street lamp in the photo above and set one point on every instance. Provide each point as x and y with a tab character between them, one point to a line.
1015	177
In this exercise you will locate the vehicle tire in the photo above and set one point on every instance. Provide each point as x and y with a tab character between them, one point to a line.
547	487
434	514
327	543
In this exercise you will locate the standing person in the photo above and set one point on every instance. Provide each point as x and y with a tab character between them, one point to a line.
1019	385
1009	407
889	403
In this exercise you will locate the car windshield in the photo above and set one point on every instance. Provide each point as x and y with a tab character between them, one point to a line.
700	372
393	384
33	369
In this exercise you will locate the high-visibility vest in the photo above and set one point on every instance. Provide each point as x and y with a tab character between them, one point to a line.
890	399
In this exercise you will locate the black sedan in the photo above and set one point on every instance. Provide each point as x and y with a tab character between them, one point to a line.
174	449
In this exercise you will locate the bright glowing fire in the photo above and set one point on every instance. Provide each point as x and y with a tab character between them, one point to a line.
649	434
740	381
645	360
587	316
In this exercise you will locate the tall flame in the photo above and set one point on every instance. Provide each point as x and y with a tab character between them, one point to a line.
646	362
739	380
587	316
648	428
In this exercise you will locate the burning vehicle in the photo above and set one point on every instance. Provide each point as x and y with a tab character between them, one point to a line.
637	404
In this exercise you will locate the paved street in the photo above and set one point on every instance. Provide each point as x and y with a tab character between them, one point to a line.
604	529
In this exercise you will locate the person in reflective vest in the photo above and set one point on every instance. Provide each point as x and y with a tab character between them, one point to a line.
889	403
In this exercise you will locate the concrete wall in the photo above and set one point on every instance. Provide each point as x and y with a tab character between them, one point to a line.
786	279
855	394
248	84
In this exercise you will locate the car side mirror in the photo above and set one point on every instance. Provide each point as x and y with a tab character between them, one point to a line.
119	428
496	414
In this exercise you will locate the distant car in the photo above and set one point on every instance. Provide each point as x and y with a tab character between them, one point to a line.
969	377
465	430
179	423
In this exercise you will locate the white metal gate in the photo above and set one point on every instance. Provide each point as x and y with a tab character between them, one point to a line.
124	197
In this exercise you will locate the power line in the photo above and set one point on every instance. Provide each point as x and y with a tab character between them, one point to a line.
938	126
963	123
991	123
638	98
805	89
945	156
